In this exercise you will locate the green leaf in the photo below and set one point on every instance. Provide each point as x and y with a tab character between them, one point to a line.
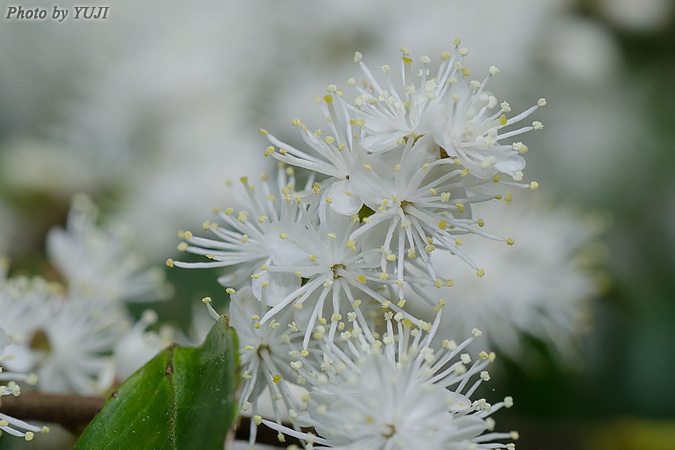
183	399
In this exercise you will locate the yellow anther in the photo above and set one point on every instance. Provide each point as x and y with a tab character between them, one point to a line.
466	72
298	273
328	99
276	379
244	238
230	291
502	120
481	222
495	179
411	253
332	235
263	132
443	224
229	211
534	185
384	276
464	172
480	272
361	278
439	283
367	166
312	258
507	198
460	206
329	139
283	236
445	55
391	258
357	303
296	122
169	262
269	150
182	246
459	241
206	300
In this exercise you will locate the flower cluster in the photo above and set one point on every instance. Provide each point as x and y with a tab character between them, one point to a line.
72	333
326	277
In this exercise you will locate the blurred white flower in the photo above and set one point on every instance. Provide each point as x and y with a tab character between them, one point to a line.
138	346
580	50
540	286
72	347
67	340
102	261
643	15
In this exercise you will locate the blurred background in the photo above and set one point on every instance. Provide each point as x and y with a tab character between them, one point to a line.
150	111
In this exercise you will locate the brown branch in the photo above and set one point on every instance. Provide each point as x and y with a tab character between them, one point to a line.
69	410
75	411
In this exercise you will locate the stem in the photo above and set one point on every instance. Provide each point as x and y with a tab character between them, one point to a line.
69	410
75	411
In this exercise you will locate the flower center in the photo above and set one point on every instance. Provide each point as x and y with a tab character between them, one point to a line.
40	342
262	348
404	204
335	269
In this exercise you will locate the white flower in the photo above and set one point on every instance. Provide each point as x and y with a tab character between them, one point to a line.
341	154
101	261
244	242
415	160
64	339
8	424
419	204
460	115
71	348
336	273
23	310
396	393
539	286
263	352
